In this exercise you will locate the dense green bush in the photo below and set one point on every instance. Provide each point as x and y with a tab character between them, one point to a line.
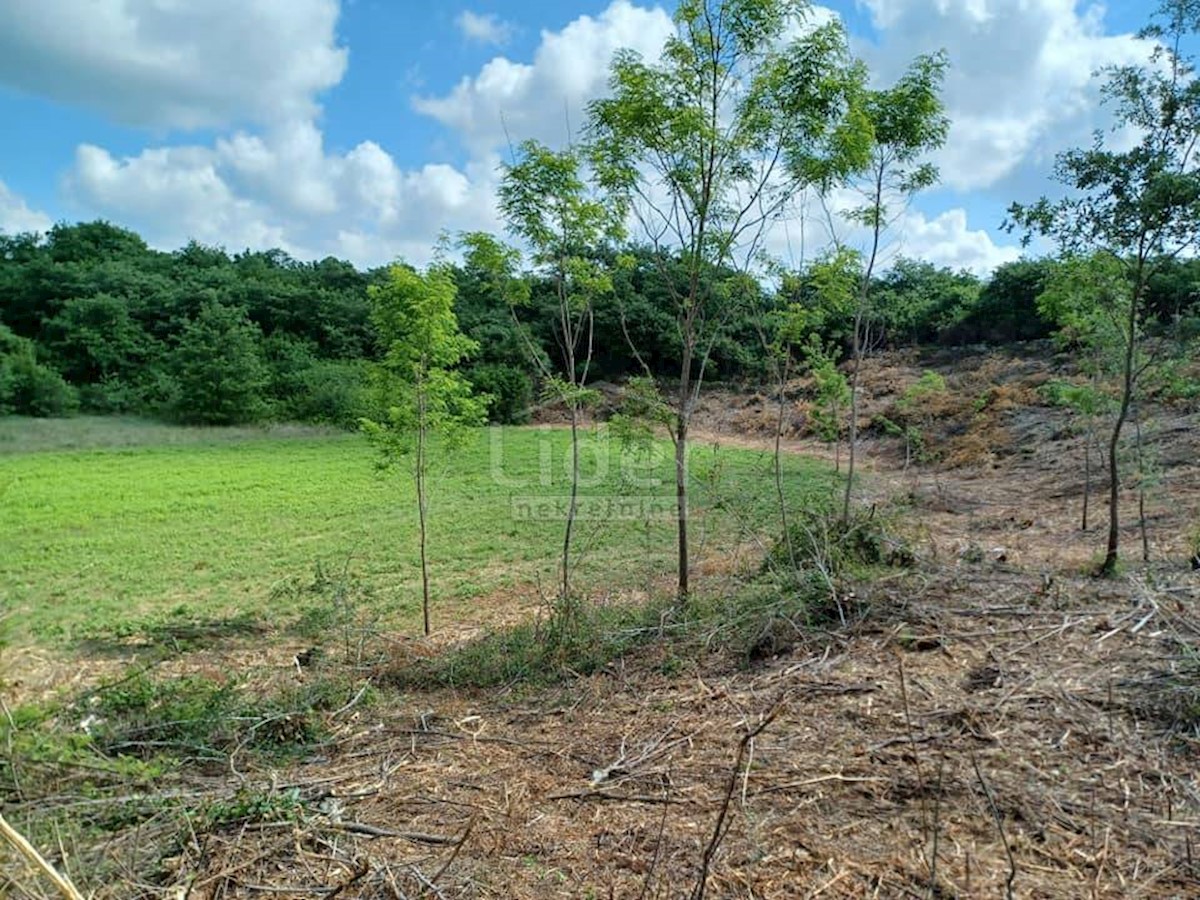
113	324
28	387
332	392
219	367
510	388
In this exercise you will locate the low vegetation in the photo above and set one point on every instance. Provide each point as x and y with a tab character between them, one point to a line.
198	523
242	661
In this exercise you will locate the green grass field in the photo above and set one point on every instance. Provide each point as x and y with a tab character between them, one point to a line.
104	523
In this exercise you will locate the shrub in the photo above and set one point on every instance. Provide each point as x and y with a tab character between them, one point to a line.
511	390
542	652
820	540
333	392
219	367
26	386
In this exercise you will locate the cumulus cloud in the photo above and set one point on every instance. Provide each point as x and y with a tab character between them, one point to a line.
268	191
483	28
1019	89
539	99
278	185
174	65
1020	86
16	216
171	195
948	240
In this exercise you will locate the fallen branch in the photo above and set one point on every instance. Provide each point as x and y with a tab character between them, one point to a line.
609	795
719	829
417	837
1012	863
30	853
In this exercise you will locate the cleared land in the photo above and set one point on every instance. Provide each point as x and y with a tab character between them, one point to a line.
990	717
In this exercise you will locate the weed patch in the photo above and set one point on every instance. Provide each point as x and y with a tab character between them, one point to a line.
537	653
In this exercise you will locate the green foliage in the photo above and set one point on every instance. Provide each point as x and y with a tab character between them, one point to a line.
805	581
830	388
107	312
547	204
419	388
1085	299
928	386
219	368
838	548
249	807
28	387
1085	399
510	388
1007	306
1133	204
539	652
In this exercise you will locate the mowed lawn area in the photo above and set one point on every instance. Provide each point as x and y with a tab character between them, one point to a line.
106	522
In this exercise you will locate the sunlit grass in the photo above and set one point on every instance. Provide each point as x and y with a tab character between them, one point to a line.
152	519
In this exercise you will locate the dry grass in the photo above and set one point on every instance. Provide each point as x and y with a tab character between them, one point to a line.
1001	722
978	682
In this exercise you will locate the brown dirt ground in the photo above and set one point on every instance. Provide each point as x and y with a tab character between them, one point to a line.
1000	713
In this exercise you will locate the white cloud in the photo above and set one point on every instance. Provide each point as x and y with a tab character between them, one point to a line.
539	99
172	195
1019	89
277	184
947	240
272	191
167	64
483	28
1020	85
16	216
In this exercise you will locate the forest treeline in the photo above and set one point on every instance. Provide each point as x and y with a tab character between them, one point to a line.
94	320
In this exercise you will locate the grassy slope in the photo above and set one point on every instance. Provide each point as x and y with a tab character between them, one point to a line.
152	519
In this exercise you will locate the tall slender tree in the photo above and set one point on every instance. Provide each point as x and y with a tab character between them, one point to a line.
548	204
422	391
907	121
710	146
1138	203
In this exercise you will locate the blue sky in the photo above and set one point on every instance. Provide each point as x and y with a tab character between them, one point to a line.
362	128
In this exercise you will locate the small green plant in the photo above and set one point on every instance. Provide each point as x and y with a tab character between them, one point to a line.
340	612
832	395
528	653
420	386
249	806
804	584
914	411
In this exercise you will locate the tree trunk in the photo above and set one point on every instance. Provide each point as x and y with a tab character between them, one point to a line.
421	511
681	465
861	338
1112	549
573	506
1087	475
1137	421
681	505
783	516
852	437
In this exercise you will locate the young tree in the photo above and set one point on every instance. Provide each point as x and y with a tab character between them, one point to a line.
709	146
1139	206
907	122
548	205
1084	297
423	394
